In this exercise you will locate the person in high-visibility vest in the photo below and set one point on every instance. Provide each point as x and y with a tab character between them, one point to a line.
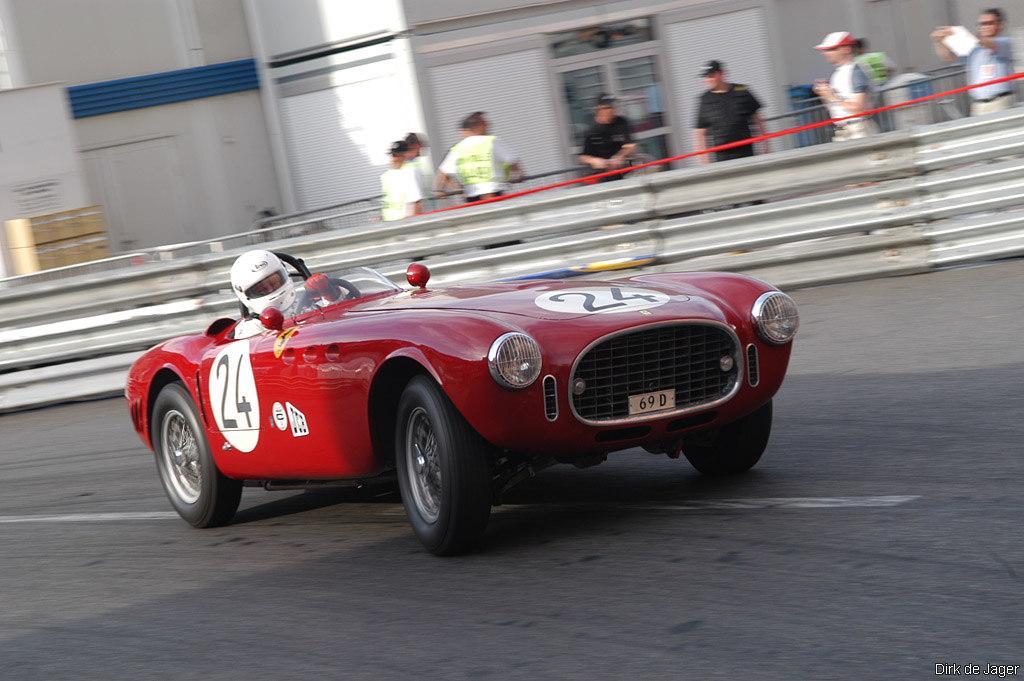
878	67
480	162
402	195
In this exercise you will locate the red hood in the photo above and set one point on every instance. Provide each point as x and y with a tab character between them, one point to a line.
557	299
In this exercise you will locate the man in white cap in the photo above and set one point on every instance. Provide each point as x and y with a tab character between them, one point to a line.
848	91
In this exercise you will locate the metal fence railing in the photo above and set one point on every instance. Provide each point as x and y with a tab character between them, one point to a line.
808	108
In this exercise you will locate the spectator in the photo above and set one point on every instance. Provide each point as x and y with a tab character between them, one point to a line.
401	188
480	162
990	59
877	65
726	110
415	159
443	184
848	90
607	144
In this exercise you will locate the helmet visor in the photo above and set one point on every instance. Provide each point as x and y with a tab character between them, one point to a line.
266	285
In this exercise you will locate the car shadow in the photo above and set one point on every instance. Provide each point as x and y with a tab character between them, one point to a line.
304	501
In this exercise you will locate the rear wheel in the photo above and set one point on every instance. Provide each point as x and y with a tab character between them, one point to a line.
443	470
734	447
199	492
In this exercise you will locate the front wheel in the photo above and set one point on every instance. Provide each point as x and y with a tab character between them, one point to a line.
443	470
198	491
733	448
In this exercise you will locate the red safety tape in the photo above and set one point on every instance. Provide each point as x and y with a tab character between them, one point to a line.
590	179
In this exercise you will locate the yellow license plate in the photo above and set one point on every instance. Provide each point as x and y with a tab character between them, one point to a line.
648	402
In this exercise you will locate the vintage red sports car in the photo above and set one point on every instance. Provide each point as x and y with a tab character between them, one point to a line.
464	391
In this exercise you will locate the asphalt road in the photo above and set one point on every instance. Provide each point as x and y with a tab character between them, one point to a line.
881	535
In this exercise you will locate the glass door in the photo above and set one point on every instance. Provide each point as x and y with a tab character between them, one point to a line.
624	64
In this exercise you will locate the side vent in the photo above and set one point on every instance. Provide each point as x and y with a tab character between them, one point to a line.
550	398
753	377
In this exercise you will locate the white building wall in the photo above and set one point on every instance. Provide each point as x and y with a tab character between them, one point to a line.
163	174
40	171
180	172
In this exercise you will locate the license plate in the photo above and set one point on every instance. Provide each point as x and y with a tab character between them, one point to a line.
648	402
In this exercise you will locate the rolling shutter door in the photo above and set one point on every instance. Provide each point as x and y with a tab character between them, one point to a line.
333	135
740	41
512	89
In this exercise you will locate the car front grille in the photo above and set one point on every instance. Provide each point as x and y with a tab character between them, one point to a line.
684	357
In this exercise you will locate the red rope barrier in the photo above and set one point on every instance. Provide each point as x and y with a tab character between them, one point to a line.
589	179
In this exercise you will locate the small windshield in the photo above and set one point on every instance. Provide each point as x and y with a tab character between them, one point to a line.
365	280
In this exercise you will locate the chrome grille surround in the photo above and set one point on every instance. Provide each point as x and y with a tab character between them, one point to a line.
683	355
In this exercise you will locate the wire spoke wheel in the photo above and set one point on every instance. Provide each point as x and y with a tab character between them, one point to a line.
180	457
198	491
444	470
422	465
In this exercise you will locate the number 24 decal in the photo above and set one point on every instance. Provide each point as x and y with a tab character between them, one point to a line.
589	299
242	405
233	397
600	300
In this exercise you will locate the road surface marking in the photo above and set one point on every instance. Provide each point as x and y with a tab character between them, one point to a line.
784	502
695	505
87	517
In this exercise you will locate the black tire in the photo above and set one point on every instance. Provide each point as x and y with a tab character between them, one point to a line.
444	470
198	491
733	448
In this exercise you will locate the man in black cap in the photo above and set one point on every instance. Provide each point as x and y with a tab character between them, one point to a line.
726	111
607	144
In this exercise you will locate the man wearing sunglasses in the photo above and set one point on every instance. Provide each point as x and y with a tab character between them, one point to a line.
991	59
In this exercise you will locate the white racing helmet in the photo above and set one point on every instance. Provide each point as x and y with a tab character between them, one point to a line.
260	280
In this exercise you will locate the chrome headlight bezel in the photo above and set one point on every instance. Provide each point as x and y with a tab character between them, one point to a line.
776	318
515	360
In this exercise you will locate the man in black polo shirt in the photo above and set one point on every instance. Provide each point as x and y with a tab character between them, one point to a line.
607	144
726	112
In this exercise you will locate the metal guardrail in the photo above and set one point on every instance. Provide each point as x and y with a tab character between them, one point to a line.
900	202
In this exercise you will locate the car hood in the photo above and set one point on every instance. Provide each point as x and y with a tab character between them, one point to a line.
555	300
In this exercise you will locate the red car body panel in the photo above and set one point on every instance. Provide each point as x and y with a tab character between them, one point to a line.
325	372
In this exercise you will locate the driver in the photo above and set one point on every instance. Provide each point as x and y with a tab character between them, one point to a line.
260	281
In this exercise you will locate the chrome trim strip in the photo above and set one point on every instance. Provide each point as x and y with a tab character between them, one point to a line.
741	362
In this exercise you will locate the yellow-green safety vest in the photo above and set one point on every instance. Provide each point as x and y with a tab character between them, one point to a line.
392	183
474	160
878	70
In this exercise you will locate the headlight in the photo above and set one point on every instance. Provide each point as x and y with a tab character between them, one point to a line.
514	360
776	317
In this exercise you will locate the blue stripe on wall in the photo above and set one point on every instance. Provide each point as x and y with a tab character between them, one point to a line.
163	88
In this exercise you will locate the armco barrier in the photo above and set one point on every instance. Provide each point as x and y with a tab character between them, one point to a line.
894	203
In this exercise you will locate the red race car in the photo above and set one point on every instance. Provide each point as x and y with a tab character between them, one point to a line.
462	392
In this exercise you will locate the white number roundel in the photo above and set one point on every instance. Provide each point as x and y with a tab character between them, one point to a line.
235	405
600	300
